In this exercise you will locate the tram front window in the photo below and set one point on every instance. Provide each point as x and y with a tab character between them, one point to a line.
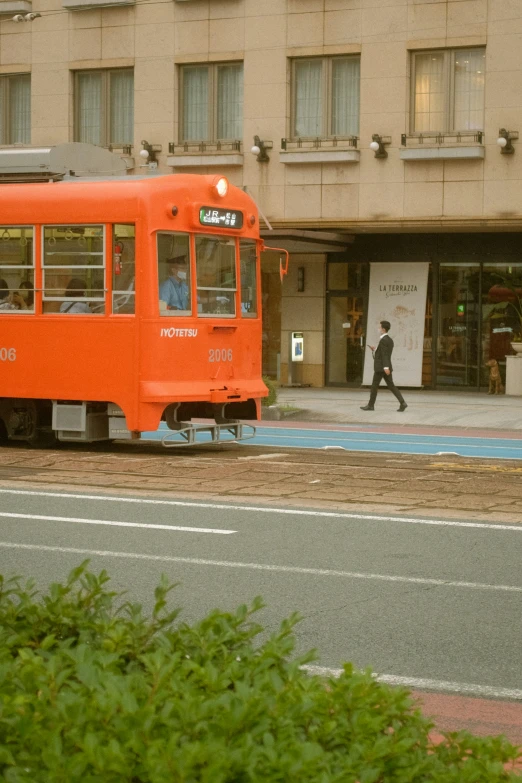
174	274
248	266
216	275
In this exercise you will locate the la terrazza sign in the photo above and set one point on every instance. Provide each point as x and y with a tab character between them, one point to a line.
396	289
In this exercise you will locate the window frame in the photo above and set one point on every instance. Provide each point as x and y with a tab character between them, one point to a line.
5	118
20	267
448	75
84	267
105	119
234	290
244	243
128	294
326	94
189	312
212	102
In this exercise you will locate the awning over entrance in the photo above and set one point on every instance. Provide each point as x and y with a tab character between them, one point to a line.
302	241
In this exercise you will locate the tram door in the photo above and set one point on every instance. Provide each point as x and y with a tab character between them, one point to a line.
346	323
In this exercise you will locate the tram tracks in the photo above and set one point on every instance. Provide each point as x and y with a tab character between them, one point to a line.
368	481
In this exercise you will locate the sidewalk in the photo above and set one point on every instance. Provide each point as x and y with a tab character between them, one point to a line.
462	410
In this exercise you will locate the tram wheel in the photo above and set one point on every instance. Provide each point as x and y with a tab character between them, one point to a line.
43	438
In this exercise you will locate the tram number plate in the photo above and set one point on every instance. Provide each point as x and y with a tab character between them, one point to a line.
230	218
220	355
7	354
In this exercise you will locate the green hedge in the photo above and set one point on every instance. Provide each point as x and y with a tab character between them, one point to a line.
92	690
271	385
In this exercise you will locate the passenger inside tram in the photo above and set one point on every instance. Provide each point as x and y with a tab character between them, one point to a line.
13	300
75	290
26	290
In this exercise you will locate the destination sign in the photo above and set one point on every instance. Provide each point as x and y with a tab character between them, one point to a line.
212	216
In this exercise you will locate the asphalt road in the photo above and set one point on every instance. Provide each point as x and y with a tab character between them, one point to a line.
431	603
363	439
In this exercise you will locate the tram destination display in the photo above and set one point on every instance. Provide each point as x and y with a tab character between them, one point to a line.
212	216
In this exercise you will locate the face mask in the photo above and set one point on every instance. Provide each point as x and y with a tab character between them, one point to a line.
182	275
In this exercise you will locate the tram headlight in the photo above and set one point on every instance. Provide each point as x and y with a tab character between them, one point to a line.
221	186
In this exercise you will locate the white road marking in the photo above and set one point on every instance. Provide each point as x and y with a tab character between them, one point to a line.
422	684
264	567
265	509
79	520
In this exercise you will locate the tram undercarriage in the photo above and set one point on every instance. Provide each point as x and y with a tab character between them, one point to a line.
42	422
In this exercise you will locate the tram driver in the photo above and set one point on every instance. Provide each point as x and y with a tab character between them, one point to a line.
174	290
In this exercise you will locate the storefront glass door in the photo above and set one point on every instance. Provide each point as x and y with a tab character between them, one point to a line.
458	339
346	323
501	306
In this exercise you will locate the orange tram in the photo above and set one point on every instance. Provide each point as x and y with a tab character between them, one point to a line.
129	301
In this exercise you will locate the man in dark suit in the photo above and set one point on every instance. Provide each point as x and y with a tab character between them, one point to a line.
382	368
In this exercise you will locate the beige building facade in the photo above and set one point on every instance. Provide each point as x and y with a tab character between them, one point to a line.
435	86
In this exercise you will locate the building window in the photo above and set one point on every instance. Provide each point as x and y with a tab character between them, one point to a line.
105	107
211	102
15	109
448	90
325	97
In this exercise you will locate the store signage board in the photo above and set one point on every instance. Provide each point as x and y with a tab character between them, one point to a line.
398	295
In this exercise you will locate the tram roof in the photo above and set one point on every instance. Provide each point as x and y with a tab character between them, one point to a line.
114	198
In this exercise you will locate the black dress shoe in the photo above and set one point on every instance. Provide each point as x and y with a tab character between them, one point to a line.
367	408
402	408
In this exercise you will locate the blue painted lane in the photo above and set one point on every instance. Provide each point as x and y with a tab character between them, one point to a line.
389	442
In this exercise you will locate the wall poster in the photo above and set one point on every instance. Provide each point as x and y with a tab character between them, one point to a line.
398	295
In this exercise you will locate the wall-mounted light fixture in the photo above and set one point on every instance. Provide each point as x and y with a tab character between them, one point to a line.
148	154
25	17
505	137
377	145
300	279
260	149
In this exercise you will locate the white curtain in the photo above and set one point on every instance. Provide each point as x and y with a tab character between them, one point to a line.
345	96
429	92
90	107
121	107
469	89
20	109
195	103
308	98
230	101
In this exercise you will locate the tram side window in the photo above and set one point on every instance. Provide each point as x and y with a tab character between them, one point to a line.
123	269
216	275
16	269
248	267
174	274
73	270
